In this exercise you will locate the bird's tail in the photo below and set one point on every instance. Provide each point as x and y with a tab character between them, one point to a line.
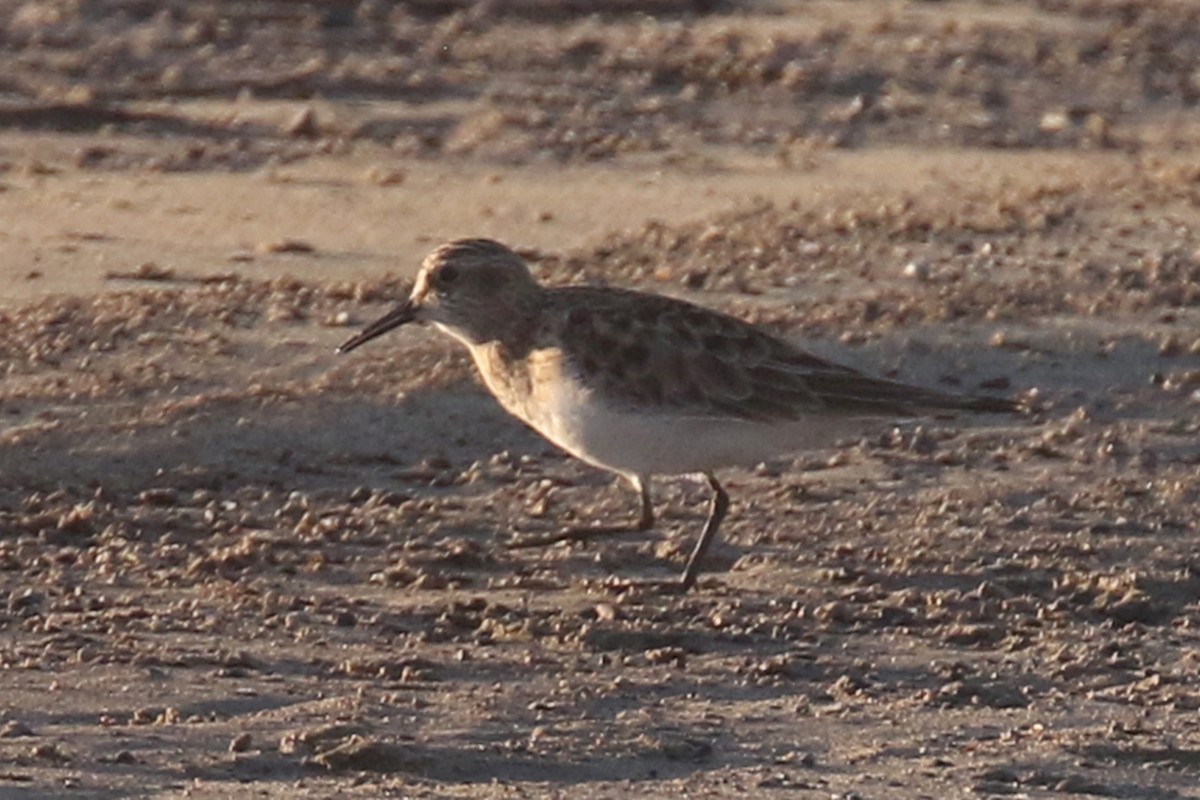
856	393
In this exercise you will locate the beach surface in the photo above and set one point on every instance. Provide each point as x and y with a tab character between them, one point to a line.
236	565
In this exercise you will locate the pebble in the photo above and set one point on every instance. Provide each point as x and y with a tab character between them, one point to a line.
302	125
285	246
14	728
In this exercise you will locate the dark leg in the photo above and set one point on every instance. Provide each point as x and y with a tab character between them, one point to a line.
644	522
716	513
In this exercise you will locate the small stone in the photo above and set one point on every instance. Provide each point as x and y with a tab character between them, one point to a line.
1078	784
381	176
172	77
1098	128
14	728
285	246
48	752
240	743
92	155
149	271
169	716
999	775
606	612
1054	122
684	749
835	611
303	125
158	497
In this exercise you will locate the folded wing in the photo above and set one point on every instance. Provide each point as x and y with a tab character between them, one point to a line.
658	352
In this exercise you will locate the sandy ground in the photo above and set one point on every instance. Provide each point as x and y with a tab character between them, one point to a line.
234	565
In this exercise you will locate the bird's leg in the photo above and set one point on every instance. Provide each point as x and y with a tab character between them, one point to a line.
644	522
716	513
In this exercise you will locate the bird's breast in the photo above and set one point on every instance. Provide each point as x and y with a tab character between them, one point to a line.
543	391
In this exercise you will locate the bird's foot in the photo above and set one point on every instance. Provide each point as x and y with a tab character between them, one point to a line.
677	586
581	534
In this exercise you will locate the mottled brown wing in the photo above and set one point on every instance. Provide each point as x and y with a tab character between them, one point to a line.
658	352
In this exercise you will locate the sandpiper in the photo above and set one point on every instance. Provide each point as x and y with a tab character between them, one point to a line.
641	384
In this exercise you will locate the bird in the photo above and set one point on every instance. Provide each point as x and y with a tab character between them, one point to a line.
647	385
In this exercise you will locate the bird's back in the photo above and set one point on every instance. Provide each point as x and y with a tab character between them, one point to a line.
657	353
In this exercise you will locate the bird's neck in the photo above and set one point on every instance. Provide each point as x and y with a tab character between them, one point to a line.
507	377
511	329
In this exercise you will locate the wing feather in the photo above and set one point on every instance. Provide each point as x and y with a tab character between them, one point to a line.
653	351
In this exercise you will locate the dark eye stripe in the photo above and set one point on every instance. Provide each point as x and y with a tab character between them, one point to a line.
447	275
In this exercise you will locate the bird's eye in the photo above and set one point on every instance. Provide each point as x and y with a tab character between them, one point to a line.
447	275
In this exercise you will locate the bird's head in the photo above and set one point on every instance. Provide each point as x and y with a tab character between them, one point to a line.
473	289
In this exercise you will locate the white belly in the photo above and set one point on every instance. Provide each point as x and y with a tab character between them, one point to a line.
657	443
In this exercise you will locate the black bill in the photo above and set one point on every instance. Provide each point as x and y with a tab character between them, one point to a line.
401	314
